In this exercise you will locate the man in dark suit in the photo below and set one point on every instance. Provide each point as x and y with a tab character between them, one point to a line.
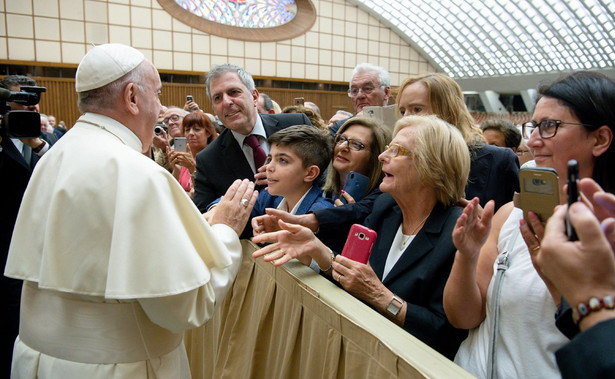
17	160
234	97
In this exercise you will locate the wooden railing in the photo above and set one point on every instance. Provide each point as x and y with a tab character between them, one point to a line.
289	322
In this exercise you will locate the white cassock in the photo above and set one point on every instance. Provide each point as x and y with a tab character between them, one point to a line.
116	260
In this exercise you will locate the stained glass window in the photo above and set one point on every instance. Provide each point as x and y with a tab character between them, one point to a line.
243	13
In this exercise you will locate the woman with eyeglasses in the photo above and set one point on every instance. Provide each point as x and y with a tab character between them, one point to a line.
426	167
573	119
358	143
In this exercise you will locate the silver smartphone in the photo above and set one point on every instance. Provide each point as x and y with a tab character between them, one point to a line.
179	144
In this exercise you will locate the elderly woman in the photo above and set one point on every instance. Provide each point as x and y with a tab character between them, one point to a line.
358	143
573	119
494	172
199	132
426	168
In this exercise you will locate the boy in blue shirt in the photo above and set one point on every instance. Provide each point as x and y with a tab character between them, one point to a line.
298	157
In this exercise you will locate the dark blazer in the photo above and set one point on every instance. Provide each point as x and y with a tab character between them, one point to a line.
49	137
312	201
591	354
420	274
494	175
223	161
15	173
334	223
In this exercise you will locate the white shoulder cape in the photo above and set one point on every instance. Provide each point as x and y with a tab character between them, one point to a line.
99	218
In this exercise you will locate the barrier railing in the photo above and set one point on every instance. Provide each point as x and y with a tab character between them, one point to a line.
289	322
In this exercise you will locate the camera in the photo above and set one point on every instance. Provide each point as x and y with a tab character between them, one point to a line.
20	123
158	129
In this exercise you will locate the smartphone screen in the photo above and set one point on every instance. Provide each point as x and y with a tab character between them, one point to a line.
299	101
189	98
179	144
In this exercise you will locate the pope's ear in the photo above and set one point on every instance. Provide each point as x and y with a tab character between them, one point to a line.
130	98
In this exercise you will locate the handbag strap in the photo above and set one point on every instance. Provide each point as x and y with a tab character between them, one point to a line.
503	264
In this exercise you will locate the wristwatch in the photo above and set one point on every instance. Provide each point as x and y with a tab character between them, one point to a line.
394	306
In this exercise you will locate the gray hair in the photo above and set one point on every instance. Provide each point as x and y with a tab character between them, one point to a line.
16	80
345	113
384	78
104	98
309	104
267	102
218	70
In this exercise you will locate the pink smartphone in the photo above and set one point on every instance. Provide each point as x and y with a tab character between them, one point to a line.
359	244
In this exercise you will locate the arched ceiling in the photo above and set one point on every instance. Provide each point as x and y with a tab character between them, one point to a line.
470	39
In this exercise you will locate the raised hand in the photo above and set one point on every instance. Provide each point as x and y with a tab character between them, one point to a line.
472	228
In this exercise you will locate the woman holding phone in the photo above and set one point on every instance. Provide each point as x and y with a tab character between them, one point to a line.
426	167
573	119
199	132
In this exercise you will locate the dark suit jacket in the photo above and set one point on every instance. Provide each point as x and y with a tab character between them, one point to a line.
591	354
494	175
421	272
49	137
15	173
223	161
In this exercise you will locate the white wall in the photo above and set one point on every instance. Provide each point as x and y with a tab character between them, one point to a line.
60	32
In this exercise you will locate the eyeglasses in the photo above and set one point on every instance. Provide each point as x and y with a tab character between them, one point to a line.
354	91
395	150
173	118
547	128
353	144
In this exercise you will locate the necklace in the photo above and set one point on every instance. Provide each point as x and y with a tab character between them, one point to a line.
405	238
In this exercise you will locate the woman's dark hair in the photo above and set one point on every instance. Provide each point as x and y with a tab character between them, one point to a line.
201	119
591	98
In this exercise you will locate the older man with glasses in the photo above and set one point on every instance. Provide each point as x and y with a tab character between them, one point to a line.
172	118
369	86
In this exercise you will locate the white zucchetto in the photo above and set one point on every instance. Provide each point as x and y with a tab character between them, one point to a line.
104	64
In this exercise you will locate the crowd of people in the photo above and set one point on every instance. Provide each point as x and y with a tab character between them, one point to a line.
455	263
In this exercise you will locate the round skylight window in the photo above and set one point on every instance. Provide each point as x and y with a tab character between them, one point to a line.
250	20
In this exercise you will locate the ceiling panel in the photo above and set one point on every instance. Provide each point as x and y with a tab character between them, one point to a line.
487	38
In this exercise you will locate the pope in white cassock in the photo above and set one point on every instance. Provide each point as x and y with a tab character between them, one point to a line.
117	261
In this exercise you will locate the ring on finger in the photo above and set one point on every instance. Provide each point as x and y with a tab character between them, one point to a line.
245	202
536	248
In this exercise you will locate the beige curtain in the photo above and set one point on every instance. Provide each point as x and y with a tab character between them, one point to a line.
290	322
